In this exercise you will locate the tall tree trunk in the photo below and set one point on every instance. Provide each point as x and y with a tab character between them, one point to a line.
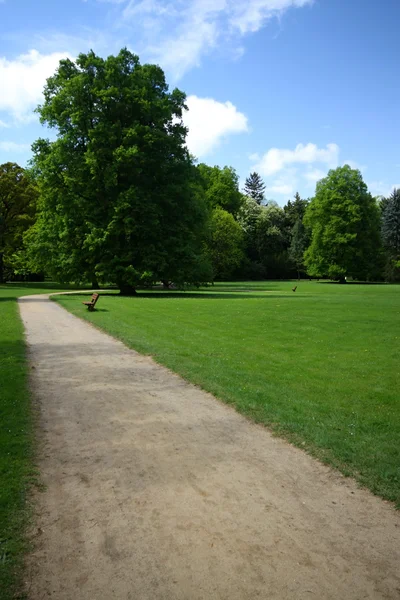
95	283
1	268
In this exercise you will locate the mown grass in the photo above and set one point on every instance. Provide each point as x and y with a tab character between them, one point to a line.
320	366
17	472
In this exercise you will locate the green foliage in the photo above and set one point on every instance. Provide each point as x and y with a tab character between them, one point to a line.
248	217
344	220
391	234
225	245
117	186
255	187
266	239
298	245
295	210
18	196
271	240
319	366
221	187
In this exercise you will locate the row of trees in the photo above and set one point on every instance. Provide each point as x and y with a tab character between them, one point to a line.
118	198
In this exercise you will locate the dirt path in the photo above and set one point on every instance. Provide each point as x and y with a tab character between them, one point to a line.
157	491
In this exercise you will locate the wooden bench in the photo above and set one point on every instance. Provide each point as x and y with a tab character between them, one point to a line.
92	302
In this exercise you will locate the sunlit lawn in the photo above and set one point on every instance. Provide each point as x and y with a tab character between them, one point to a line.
320	366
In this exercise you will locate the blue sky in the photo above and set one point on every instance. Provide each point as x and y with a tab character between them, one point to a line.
289	88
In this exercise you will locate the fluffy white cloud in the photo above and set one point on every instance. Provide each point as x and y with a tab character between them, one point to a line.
286	170
283	189
381	188
209	122
314	175
22	81
277	159
285	184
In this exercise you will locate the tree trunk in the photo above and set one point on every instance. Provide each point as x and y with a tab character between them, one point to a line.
126	290
95	283
1	268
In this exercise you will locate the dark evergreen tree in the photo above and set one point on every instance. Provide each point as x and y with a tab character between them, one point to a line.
391	223
391	234
255	187
295	210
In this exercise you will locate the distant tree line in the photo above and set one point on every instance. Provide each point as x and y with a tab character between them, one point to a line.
117	198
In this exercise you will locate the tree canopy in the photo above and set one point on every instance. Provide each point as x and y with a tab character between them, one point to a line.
344	222
117	198
221	187
18	196
225	246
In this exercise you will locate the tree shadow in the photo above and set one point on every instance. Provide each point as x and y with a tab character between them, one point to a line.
194	295
344	284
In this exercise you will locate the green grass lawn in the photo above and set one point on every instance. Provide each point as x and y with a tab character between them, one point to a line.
320	366
16	436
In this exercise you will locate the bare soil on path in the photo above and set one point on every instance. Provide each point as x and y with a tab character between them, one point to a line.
155	490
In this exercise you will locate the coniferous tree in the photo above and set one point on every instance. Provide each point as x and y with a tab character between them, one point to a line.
391	233
255	187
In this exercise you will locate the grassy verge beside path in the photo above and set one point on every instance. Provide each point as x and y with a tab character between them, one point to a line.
319	366
16	435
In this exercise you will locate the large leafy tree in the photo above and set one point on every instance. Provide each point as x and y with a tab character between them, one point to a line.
254	187
225	245
117	197
18	196
220	187
344	221
391	233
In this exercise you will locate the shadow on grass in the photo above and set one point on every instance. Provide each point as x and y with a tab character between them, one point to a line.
353	283
197	295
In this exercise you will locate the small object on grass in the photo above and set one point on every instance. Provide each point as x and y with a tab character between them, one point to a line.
92	302
294	289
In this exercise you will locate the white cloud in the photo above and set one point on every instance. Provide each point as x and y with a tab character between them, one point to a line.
314	175
284	189
4	124
277	159
209	122
285	184
22	81
381	188
250	16
14	147
178	33
286	170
